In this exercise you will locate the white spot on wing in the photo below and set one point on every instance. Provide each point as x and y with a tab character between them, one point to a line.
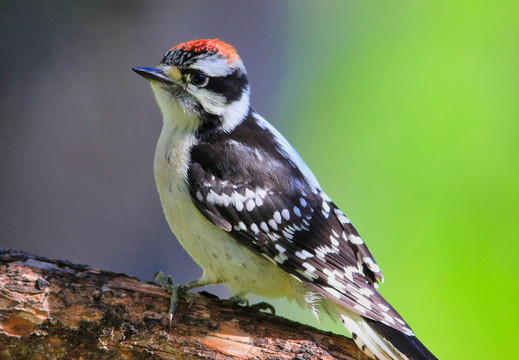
273	224
280	248
349	271
332	292
389	318
364	302
287	235
325	197
325	206
343	219
261	192
310	270
250	205
273	236
383	307
306	274
355	239
281	257
277	217
371	264
367	292
332	280
254	228
303	254
334	241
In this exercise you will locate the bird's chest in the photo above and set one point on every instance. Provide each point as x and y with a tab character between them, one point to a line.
221	257
171	165
212	248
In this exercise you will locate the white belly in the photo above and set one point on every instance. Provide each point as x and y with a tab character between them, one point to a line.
220	256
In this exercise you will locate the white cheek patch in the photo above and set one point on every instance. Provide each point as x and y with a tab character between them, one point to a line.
235	112
212	103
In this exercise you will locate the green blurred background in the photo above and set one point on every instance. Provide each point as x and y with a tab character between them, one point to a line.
406	111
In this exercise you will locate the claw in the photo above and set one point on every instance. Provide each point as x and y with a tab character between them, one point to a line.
166	282
177	291
189	299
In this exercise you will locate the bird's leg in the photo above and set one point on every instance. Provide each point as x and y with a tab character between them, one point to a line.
240	299
177	291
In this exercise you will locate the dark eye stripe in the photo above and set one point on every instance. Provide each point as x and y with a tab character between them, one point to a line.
230	86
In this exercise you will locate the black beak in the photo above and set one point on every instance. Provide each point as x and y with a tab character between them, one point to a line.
153	74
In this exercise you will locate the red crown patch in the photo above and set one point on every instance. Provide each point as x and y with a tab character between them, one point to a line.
210	45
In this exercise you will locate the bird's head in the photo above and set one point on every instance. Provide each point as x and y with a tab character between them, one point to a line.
200	85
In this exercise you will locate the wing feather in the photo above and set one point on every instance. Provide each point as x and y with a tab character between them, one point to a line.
304	233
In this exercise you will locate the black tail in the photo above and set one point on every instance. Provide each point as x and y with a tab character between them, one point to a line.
407	345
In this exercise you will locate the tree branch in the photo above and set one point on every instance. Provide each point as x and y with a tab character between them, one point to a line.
53	309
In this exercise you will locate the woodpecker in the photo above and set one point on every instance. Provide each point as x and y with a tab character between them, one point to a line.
250	212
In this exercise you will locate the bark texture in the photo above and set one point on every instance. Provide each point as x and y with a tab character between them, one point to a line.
53	309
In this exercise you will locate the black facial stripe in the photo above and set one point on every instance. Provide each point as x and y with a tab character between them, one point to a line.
230	86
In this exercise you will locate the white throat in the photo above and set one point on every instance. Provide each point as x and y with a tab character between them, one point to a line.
178	118
174	115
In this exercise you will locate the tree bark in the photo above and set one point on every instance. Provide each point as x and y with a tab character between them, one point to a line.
53	309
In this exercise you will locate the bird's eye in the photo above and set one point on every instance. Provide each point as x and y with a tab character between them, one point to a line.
199	79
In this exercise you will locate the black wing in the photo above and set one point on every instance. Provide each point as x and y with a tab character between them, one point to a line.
271	207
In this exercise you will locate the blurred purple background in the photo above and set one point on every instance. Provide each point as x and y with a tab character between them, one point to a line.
78	128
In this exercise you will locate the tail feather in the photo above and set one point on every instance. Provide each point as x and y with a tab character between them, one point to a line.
382	342
407	345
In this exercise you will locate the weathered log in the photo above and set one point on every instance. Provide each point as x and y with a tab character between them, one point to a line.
53	309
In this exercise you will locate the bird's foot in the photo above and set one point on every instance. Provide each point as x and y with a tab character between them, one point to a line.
239	300
263	306
243	301
176	291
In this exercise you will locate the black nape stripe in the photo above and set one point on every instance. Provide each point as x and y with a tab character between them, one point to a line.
230	86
